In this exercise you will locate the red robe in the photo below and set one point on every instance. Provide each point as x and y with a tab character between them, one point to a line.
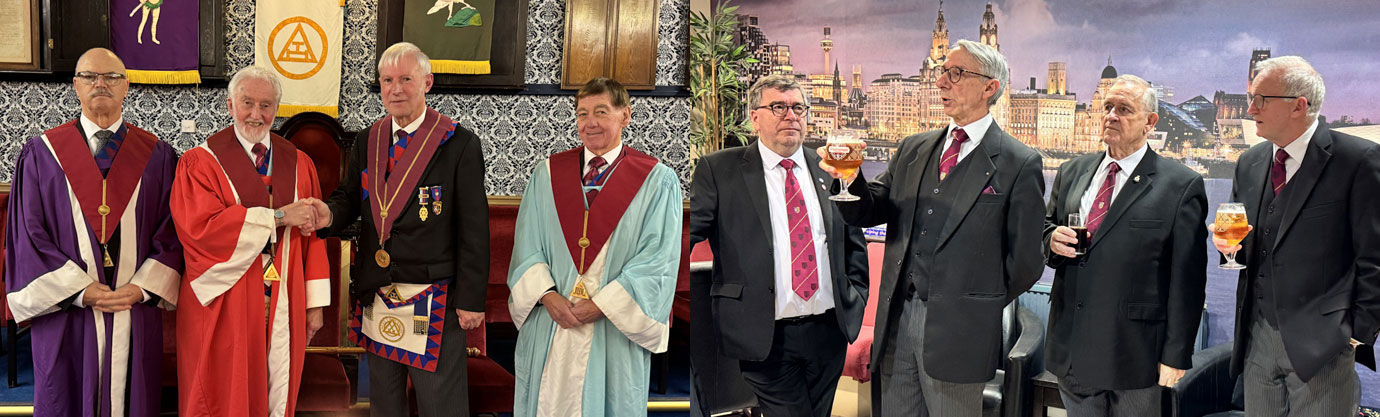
229	361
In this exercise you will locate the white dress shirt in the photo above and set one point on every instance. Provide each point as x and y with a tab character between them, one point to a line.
90	128
788	303
249	149
1127	165
609	157
1296	150
975	130
410	128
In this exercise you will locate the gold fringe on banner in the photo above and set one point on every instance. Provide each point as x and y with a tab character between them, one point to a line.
163	77
289	110
446	66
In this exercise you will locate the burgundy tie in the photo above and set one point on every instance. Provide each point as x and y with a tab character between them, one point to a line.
260	158
1277	174
804	270
592	176
950	156
1103	200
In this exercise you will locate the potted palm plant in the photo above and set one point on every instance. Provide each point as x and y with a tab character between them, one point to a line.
718	92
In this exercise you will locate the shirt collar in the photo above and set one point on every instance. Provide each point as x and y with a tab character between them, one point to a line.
410	128
249	146
1299	146
1127	164
770	159
89	127
976	130
609	156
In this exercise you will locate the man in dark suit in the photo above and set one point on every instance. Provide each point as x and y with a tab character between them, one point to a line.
1125	313
417	178
790	278
1308	302
964	210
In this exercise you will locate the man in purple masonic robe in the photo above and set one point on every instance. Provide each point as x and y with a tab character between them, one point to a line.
91	254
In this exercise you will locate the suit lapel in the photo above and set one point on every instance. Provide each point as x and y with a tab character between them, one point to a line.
978	170
1305	178
910	180
1252	194
1130	192
822	192
754	181
1074	199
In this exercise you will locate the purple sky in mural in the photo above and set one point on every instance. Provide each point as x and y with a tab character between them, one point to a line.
1194	47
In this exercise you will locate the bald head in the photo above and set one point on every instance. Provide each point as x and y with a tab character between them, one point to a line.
101	58
100	85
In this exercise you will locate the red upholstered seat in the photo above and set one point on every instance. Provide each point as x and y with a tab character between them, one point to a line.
860	351
11	328
502	223
325	384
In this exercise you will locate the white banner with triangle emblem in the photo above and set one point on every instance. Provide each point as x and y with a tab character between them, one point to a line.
302	41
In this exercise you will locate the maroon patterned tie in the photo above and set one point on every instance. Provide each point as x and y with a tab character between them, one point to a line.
1103	200
804	271
592	176
950	156
1277	174
260	158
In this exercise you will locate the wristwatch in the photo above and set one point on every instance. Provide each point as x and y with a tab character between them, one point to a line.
278	217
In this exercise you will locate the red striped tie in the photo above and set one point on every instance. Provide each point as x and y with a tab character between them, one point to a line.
804	267
592	176
1277	174
1103	200
949	158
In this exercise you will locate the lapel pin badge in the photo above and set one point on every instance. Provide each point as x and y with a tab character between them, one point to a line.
1136	179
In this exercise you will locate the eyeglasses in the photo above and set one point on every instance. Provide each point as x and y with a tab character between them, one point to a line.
111	78
956	74
1258	100
779	109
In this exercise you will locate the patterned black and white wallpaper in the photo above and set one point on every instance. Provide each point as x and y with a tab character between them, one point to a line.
517	131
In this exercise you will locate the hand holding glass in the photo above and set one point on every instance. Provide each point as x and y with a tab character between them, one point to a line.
845	155
1231	225
1080	229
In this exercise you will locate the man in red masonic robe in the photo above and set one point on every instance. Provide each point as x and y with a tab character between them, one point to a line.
255	280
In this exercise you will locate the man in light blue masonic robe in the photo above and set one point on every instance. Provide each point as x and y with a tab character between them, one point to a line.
622	253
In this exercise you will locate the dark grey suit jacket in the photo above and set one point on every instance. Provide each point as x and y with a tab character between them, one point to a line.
1325	259
729	208
988	251
1135	299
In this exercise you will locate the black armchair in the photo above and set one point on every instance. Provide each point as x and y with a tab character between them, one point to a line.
719	385
1011	391
1207	390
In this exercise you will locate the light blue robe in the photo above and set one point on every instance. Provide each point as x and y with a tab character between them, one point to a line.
598	369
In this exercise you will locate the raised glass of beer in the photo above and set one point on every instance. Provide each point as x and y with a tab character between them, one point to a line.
844	154
1231	225
1080	229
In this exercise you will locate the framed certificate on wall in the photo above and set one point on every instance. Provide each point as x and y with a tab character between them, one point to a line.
19	40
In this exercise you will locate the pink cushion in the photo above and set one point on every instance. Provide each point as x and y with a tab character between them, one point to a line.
860	351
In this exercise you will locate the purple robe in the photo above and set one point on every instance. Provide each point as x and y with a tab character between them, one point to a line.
89	363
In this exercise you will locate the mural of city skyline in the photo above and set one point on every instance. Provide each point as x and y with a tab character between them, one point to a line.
1199	56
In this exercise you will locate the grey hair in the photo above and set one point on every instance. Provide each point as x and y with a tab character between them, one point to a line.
1147	95
394	53
1300	79
255	72
990	62
777	82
